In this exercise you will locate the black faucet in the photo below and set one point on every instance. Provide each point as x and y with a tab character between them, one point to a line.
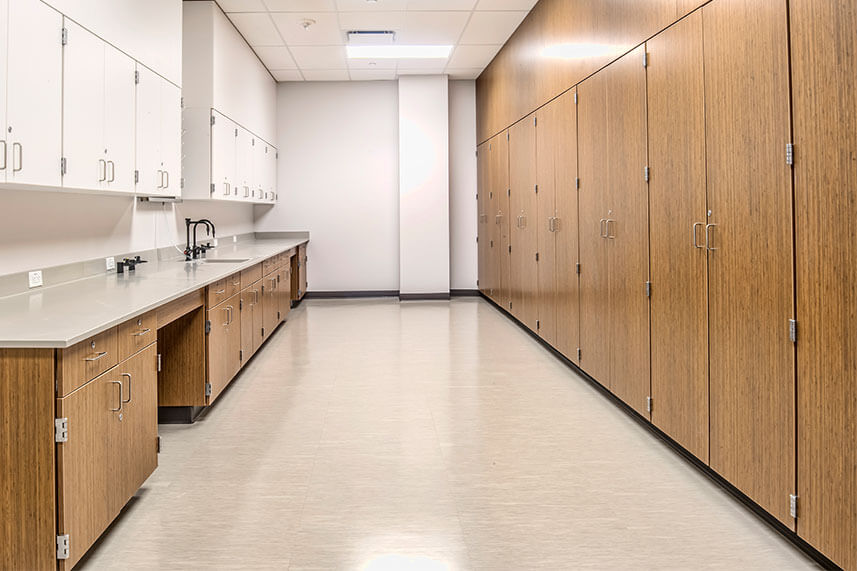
192	251
130	263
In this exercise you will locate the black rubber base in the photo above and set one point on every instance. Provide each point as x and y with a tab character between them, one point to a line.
178	414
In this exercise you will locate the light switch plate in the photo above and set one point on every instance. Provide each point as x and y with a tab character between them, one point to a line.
110	263
36	278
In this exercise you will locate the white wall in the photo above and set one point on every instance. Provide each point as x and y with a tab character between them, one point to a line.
462	185
42	229
424	184
338	178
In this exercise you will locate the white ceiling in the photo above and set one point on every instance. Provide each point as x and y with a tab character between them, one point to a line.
476	28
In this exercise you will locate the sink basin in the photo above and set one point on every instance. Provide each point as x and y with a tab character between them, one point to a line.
221	260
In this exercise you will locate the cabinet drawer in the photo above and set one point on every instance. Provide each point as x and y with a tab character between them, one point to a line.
233	284
269	265
251	276
137	333
86	360
218	291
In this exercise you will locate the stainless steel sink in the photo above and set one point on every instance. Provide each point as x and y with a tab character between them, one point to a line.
221	260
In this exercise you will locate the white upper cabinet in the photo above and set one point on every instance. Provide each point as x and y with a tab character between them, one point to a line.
33	125
223	157
158	135
245	145
171	137
98	114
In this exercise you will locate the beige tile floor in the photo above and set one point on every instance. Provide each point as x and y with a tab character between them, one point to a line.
427	435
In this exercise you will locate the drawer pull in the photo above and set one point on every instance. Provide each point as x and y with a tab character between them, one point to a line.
97	356
141	332
129	387
220	291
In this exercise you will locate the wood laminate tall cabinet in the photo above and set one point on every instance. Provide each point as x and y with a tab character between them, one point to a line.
523	205
500	218
824	88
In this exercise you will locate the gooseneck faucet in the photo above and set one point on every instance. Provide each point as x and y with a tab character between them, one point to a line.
192	251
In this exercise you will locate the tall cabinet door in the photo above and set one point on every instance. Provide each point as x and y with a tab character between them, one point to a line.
4	45
524	215
567	253
678	256
751	289
34	94
119	111
171	138
824	84
594	185
547	132
499	177
492	227
482	217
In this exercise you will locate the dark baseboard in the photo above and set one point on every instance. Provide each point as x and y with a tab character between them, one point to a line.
755	508
423	296
178	414
464	293
351	294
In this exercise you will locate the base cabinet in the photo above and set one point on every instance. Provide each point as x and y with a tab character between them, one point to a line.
251	320
223	345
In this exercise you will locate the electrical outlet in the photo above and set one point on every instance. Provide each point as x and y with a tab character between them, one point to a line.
36	278
110	263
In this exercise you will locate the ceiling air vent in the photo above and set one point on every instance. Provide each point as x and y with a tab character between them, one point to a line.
371	37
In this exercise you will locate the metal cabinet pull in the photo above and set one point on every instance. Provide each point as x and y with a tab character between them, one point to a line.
220	291
142	332
129	387
695	240
610	236
120	396
4	155
225	188
111	167
255	296
601	231
20	157
709	239
97	356
557	224
167	183
102	170
160	179
226	309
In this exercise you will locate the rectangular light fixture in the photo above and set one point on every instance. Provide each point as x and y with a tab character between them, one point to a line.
398	52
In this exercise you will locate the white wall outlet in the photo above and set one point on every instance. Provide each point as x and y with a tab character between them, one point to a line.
109	263
36	278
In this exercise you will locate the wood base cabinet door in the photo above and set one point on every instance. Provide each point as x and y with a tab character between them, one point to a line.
749	237
499	177
592	196
270	305
139	452
284	279
679	261
302	270
223	345
547	134
251	321
524	209
824	84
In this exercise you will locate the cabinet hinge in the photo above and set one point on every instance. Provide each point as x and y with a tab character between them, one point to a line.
535	120
136	176
793	505
181	102
208	389
509	192
648	404
181	182
790	154
241	355
793	330
538	324
62	546
263	332
510	249
477	239
207	326
537	256
213	119
240	305
646	174
63	166
160	362
212	188
64	39
645	59
577	268
236	131
507	135
575	98
579	353
136	77
648	289
577	183
60	430
158	444
477	282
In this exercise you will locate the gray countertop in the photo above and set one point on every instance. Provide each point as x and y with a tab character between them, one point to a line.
62	315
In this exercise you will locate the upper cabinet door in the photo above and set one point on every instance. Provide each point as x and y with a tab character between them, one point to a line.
246	146
223	135
119	93
260	170
148	163
83	110
171	137
4	142
271	180
34	96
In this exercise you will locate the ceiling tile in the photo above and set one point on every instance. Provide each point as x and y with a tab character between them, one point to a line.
371	21
256	28
319	57
324	32
472	56
379	5
300	5
455	73
421	64
372	74
371	64
287	75
426	71
326	75
242	5
466	5
506	4
433	28
491	27
276	57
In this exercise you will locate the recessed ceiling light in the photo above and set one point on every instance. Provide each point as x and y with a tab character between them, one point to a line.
306	23
398	52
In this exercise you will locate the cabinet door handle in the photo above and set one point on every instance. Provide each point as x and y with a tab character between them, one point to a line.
167	183
226	309
160	179
120	396
129	387
556	224
695	239
20	157
601	231
255	296
112	166
97	356
142	332
709	238
4	155
226	189
609	235
102	170
220	291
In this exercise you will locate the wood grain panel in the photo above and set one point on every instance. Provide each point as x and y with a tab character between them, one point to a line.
251	320
86	360
223	343
252	274
137	333
548	129
567	253
524	222
138	454
171	311
593	193
482	204
558	45
489	283
181	381
824	84
628	230
302	270
27	502
284	279
751	288
294	261
217	292
679	268
499	168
